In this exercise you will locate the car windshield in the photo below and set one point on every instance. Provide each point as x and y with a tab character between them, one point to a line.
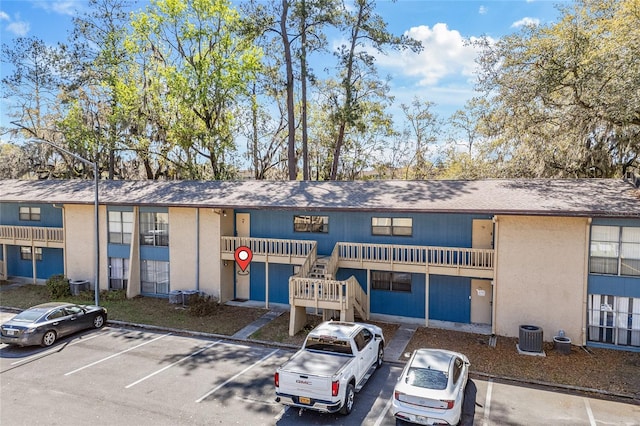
427	378
29	315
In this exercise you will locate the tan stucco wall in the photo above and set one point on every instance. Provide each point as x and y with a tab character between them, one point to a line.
541	275
183	253
80	243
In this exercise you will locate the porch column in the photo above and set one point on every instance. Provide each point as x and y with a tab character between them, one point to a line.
426	295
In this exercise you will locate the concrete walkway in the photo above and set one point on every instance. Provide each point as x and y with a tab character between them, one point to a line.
257	324
396	346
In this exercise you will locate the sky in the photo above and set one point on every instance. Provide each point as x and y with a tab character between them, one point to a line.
442	73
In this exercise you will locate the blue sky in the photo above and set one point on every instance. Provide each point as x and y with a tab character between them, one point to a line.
442	73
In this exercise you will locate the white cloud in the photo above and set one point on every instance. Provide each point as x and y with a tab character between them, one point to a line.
4	16
445	55
483	10
62	7
528	22
19	28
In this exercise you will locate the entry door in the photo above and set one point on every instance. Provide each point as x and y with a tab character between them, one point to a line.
481	238
243	229
481	300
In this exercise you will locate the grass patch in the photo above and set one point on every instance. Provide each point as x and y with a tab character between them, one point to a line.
219	318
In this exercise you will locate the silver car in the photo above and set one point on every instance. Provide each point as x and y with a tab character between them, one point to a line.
44	324
430	390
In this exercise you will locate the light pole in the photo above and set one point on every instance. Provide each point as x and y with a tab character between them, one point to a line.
97	228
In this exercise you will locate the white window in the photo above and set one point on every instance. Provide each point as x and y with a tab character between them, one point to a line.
154	277
154	229
614	319
30	213
402	226
615	250
391	281
120	227
315	224
118	273
27	254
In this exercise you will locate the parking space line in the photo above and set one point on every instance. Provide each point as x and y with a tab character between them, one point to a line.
52	350
202	398
281	413
171	365
116	354
487	403
384	412
592	420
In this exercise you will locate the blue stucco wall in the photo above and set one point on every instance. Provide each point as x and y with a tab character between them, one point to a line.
453	230
49	216
449	298
52	263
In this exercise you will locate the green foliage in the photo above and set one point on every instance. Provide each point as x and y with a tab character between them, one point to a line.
566	96
202	305
113	295
58	286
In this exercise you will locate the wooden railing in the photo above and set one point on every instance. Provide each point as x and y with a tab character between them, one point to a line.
14	234
328	294
416	255
270	246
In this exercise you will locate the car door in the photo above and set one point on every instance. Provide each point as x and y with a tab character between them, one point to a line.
60	321
366	351
78	320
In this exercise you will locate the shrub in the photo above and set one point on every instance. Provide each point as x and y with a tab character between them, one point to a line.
201	305
58	286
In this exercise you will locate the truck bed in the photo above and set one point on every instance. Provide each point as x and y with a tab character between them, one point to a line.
319	364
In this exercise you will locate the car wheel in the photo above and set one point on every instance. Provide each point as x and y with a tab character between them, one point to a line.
98	321
380	355
349	396
49	338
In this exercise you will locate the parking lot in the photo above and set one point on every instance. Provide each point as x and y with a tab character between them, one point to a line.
132	376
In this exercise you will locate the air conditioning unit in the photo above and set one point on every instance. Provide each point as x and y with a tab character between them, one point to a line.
530	338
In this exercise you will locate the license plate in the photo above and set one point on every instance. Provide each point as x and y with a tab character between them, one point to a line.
305	400
10	332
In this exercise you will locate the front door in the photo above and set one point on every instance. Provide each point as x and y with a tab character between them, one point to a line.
243	229
481	300
481	238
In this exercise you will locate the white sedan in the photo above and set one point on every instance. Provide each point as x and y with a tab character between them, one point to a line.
430	390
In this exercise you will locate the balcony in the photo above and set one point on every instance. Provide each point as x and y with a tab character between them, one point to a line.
36	236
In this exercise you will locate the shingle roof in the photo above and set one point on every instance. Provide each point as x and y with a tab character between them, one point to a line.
573	197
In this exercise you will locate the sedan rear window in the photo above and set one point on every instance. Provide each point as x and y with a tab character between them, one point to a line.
427	378
28	315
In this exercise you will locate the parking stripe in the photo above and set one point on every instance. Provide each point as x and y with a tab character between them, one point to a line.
212	391
384	412
171	365
487	403
592	420
52	350
115	355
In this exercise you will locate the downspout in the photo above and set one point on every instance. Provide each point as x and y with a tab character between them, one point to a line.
198	249
494	293
585	285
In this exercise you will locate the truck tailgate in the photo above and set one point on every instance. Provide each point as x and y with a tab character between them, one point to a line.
309	374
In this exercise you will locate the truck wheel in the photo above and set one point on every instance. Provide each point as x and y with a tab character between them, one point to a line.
380	355
349	395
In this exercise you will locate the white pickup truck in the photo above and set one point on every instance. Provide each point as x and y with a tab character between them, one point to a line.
334	363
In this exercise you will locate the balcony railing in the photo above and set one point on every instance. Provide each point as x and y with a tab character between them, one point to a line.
32	234
458	257
269	247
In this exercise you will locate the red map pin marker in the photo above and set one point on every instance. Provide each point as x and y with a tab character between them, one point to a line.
243	257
